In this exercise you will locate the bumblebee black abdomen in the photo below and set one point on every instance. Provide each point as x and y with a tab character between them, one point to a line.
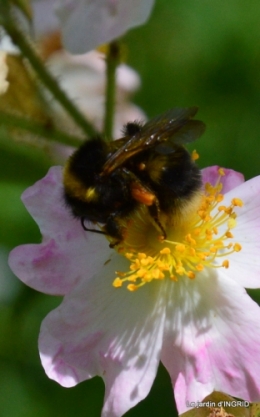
179	181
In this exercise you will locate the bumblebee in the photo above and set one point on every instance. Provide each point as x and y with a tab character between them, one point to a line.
105	182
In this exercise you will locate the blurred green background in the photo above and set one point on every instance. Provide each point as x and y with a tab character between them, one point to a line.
192	52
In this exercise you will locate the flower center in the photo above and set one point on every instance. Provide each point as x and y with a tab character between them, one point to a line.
202	239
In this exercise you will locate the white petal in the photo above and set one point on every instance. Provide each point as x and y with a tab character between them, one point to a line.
244	266
100	330
67	253
212	340
87	23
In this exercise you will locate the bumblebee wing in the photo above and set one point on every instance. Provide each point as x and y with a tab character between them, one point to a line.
156	131
191	131
117	144
166	125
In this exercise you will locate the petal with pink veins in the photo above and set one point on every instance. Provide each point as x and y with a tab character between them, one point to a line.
62	259
212	339
230	180
100	330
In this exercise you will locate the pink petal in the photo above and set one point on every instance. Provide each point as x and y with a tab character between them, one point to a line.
244	266
230	180
212	340
100	330
86	24
67	253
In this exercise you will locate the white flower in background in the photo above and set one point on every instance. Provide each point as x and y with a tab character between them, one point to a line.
3	73
6	43
83	78
44	17
86	24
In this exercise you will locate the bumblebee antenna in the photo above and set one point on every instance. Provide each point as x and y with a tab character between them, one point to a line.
82	220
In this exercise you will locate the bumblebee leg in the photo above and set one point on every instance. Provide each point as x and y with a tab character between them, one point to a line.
82	219
154	211
114	230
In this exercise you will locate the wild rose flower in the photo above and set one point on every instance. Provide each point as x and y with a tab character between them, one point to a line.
83	77
86	24
181	301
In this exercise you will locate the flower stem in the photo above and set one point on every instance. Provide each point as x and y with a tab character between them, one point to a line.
36	128
112	60
47	79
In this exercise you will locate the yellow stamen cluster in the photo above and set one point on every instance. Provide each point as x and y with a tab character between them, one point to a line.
195	245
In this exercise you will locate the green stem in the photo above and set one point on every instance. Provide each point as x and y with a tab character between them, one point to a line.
19	39
24	8
112	62
17	122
